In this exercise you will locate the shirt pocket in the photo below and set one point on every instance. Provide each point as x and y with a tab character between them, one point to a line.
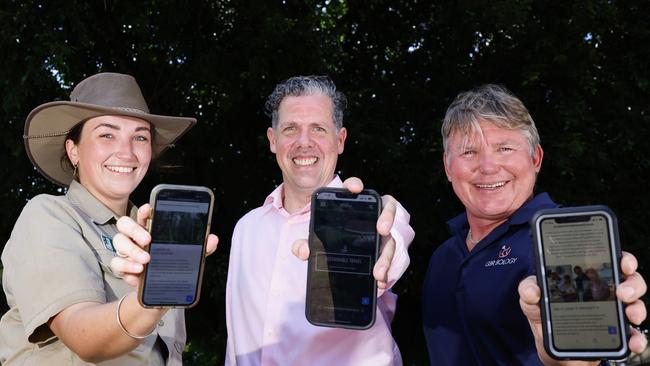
54	353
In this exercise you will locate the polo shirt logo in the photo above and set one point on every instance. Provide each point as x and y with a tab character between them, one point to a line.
503	260
504	252
108	243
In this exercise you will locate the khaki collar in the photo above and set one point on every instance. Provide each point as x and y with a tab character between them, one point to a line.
98	212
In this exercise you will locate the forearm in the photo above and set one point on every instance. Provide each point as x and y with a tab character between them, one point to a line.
92	332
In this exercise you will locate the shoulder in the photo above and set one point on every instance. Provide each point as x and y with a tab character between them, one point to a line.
45	207
445	254
43	218
252	217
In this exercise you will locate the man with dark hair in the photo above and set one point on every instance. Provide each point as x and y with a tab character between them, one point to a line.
265	294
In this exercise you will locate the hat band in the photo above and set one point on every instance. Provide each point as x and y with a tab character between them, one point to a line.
52	134
127	109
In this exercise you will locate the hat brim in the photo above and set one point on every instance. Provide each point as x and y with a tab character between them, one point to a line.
48	124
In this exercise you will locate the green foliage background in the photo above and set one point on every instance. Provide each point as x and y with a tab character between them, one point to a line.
580	67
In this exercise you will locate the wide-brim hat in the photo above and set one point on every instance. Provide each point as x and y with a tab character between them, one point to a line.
99	95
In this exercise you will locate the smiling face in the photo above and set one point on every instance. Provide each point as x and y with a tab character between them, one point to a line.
112	156
306	144
493	174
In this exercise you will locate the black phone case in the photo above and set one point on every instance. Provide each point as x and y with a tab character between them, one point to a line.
310	263
544	302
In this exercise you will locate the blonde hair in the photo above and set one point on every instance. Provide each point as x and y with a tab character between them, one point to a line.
493	103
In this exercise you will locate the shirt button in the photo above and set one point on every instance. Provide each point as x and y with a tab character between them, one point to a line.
161	323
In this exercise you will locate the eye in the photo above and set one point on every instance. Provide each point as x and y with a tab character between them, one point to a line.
468	152
505	148
106	136
319	129
289	129
142	138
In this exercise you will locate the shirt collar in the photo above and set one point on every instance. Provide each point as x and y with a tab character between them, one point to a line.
98	212
521	216
275	198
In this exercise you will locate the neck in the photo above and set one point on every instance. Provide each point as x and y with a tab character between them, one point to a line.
294	201
479	229
118	206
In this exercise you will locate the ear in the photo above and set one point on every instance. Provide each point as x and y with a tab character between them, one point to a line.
538	156
445	159
342	135
73	151
271	136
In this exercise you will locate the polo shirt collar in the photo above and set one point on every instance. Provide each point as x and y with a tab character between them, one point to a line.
275	198
98	212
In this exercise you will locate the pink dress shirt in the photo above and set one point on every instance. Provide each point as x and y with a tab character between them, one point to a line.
266	289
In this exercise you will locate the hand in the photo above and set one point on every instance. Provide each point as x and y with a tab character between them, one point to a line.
130	242
628	292
300	247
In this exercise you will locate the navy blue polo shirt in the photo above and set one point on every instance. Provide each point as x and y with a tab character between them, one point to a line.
471	311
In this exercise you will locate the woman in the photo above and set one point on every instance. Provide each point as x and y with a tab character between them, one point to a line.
598	288
67	307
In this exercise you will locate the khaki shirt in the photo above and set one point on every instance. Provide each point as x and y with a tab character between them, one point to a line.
58	255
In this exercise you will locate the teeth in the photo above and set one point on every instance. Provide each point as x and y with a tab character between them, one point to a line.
302	162
120	169
491	186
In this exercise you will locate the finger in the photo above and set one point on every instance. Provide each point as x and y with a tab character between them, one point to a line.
529	292
126	266
126	248
300	249
211	244
636	312
133	230
380	271
353	184
387	217
143	214
132	280
632	288
638	341
629	263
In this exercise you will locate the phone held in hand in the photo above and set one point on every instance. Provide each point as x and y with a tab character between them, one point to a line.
577	254
343	247
179	225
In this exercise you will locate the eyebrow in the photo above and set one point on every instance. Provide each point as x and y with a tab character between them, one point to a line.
508	142
116	127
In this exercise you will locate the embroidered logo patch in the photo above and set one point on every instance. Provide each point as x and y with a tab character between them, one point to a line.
504	252
108	243
503	258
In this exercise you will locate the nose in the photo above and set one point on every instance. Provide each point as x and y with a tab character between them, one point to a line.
488	163
304	138
124	148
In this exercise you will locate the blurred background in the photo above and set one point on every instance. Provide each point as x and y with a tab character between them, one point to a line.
582	69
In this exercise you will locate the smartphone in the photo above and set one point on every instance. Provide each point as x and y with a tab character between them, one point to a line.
343	249
179	225
577	256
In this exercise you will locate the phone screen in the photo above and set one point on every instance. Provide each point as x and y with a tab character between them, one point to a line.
178	231
341	289
580	274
